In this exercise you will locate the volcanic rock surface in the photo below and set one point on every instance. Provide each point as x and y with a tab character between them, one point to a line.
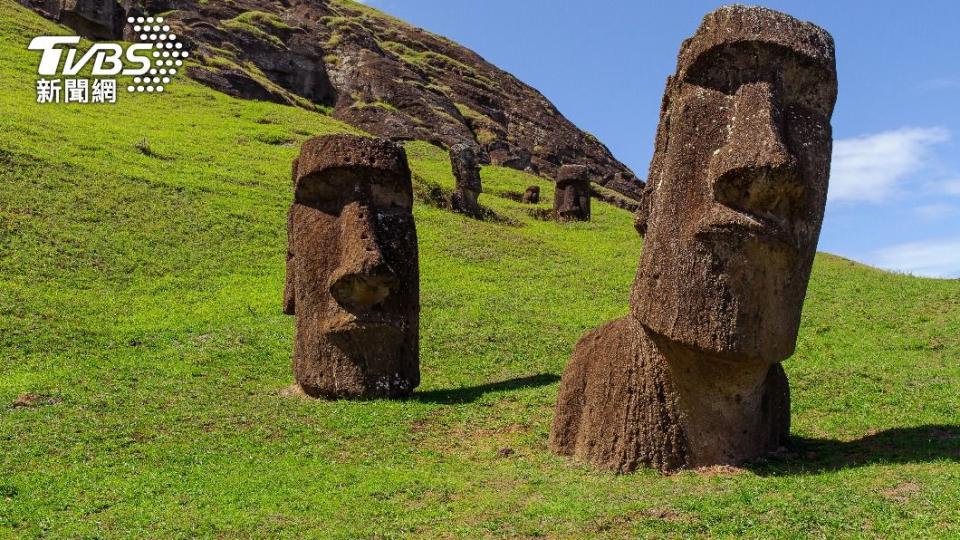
366	68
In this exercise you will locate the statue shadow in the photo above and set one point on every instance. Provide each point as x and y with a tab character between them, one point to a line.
470	394
918	444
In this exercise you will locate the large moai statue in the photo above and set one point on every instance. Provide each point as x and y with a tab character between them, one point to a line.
738	183
571	200
352	270
466	171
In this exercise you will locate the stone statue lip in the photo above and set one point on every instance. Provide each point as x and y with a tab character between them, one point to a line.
349	323
353	334
728	222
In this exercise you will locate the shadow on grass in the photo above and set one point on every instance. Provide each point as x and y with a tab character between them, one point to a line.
470	394
900	445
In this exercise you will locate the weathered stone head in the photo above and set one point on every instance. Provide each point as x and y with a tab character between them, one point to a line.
352	269
738	185
572	196
466	171
732	213
466	167
531	195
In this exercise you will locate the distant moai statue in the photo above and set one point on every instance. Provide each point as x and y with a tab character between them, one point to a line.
738	184
531	195
466	171
571	200
352	270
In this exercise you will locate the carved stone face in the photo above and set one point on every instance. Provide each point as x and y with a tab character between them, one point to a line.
466	168
353	254
572	195
738	185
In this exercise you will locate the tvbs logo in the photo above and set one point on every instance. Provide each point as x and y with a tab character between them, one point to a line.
152	62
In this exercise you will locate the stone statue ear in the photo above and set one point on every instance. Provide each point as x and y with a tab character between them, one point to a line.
640	224
642	215
661	144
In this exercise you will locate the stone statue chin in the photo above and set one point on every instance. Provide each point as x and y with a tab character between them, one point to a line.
736	195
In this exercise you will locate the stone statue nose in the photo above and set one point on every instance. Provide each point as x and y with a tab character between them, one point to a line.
363	279
755	168
756	131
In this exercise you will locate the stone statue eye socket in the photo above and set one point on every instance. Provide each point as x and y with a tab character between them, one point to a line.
726	68
725	79
390	194
797	79
810	90
332	190
328	191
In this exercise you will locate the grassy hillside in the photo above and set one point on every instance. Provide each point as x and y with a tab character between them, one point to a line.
140	296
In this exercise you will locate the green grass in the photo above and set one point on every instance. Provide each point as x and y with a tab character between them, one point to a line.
141	295
262	19
435	61
258	25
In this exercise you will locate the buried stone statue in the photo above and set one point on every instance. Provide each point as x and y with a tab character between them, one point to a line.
531	195
738	183
466	171
352	270
571	199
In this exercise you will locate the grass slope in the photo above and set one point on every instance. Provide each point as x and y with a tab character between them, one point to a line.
140	296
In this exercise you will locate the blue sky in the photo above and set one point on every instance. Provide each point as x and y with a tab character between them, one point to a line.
895	186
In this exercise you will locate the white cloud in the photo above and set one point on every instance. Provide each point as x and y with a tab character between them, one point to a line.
931	258
952	187
869	168
935	211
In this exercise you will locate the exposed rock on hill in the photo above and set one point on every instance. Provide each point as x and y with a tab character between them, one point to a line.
368	69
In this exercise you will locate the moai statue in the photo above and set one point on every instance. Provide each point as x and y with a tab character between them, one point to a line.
692	376
352	270
466	170
571	199
531	195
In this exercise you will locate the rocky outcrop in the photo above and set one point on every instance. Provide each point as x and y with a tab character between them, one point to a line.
366	68
94	19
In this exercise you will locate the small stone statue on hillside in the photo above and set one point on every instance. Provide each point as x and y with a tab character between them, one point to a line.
531	195
738	184
571	200
352	270
466	170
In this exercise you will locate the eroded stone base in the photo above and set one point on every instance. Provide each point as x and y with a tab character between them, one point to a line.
465	202
386	370
629	398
